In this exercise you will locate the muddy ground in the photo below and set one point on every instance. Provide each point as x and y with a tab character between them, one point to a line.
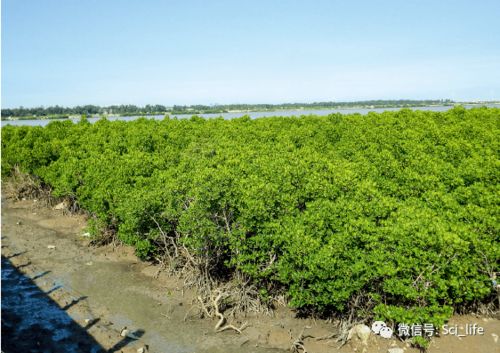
61	295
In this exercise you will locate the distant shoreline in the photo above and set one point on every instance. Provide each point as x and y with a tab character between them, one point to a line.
256	108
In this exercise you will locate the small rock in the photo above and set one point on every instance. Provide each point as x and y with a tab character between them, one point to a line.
86	235
396	350
60	206
124	332
362	332
19	223
51	247
90	263
495	337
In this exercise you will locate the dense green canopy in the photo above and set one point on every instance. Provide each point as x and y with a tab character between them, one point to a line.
398	210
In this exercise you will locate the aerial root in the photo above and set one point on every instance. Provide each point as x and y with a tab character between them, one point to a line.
218	300
222	319
342	334
326	337
212	309
298	343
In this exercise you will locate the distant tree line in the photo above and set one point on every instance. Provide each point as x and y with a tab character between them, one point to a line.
129	109
83	109
337	105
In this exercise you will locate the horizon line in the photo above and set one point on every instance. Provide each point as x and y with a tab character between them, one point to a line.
257	104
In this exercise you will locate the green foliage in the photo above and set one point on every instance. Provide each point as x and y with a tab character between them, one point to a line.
430	314
420	342
399	208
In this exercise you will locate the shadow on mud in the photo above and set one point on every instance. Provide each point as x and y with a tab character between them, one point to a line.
33	322
135	336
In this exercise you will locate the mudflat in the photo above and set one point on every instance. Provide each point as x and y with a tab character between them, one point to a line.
60	294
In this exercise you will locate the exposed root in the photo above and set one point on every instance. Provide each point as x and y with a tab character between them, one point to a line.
212	309
22	186
72	206
326	337
222	319
203	307
298	343
344	325
105	235
345	331
216	298
342	335
237	329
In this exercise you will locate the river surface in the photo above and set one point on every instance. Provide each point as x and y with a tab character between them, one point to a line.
254	115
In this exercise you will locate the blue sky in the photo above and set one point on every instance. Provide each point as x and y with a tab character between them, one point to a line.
71	52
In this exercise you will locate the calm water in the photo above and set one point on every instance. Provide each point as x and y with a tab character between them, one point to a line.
253	115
